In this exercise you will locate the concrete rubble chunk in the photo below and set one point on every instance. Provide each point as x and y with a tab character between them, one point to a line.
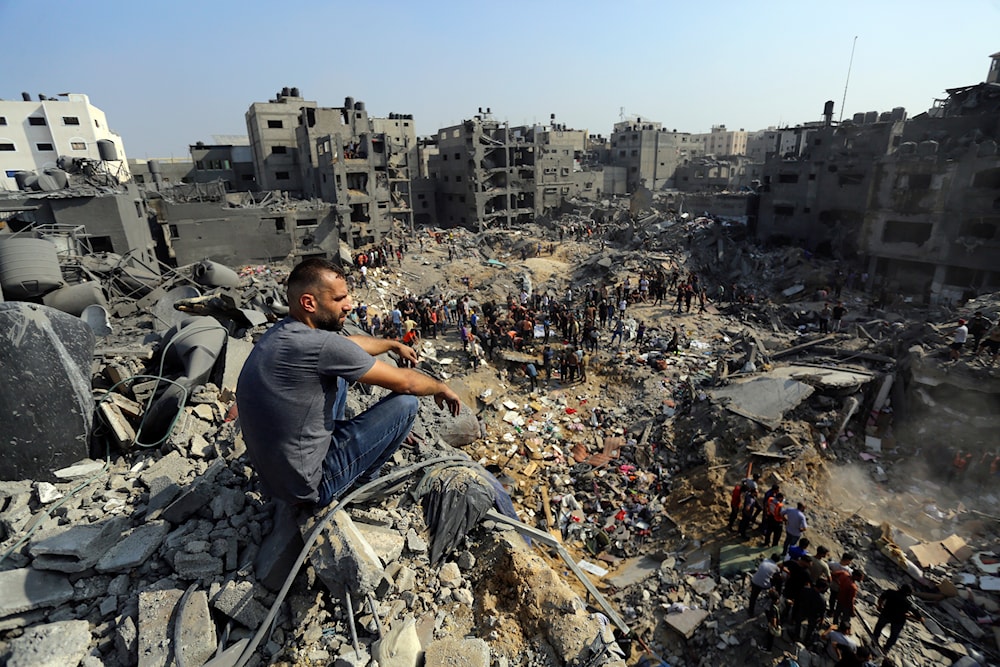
78	547
62	644
450	575
342	557
686	622
400	647
135	548
25	589
196	566
197	495
236	600
453	652
79	470
158	614
387	543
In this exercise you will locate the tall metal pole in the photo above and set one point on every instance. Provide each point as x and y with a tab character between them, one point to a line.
849	65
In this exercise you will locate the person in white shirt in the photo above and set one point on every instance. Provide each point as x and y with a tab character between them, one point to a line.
960	336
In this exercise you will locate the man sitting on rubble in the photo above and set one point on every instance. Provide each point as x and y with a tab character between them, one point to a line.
293	389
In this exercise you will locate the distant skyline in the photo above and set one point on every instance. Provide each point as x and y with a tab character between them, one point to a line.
169	75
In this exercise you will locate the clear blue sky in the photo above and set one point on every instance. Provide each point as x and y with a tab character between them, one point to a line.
171	73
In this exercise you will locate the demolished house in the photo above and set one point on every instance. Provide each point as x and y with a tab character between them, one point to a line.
133	530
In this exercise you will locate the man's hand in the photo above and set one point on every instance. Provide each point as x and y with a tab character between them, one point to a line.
447	396
408	353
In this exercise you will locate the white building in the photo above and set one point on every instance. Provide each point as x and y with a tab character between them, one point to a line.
35	133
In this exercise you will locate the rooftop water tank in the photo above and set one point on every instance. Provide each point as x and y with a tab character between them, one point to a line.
28	267
106	149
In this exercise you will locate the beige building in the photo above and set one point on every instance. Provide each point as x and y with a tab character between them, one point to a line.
722	142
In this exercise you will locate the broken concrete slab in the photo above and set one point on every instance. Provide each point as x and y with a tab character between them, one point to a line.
135	548
763	399
60	644
197	495
343	557
25	589
686	622
236	600
387	543
452	651
633	570
158	614
737	558
76	548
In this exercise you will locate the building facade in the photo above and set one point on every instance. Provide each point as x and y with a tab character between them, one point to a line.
35	134
651	154
271	127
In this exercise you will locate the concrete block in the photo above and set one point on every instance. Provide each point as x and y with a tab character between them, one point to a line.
236	600
686	622
414	543
127	642
279	548
195	496
196	566
451	651
50	645
387	543
237	351
135	549
26	589
78	547
162	491
173	465
342	557
450	576
158	614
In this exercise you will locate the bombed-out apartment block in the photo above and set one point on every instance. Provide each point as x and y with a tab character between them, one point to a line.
651	154
917	199
52	133
229	160
489	174
340	155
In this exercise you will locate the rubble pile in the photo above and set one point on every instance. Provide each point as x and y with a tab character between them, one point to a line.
155	546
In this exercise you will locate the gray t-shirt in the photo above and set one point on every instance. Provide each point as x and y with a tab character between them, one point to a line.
285	394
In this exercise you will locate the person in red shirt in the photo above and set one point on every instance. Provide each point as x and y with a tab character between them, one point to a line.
843	610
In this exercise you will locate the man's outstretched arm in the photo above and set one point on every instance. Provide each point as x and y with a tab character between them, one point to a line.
414	383
376	346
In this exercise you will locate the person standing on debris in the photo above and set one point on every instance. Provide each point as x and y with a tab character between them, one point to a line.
765	504
619	333
991	344
847	592
773	519
547	363
532	373
838	315
761	580
773	617
844	564
795	525
978	326
749	511
824	318
819	568
810	608
959	337
735	503
894	609
292	394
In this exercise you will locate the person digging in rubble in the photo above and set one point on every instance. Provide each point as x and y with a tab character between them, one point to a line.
292	395
761	581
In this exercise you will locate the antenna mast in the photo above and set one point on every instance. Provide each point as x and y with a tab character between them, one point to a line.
848	81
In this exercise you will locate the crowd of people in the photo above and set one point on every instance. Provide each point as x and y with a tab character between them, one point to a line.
809	596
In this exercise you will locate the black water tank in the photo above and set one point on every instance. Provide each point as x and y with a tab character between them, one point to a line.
286	91
295	92
21	178
106	149
348	102
359	106
26	97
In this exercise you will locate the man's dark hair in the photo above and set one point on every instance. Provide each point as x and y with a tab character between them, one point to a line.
307	274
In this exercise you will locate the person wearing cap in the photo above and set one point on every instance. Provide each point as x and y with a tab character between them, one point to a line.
958	340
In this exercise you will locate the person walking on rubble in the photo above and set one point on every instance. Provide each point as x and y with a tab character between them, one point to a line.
773	519
894	609
292	394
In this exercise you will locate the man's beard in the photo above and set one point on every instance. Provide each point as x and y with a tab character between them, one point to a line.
330	322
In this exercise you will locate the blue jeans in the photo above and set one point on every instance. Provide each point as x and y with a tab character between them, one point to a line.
360	446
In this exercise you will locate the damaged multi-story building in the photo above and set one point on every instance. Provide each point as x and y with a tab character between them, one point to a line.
227	159
341	155
650	153
915	201
40	138
489	174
